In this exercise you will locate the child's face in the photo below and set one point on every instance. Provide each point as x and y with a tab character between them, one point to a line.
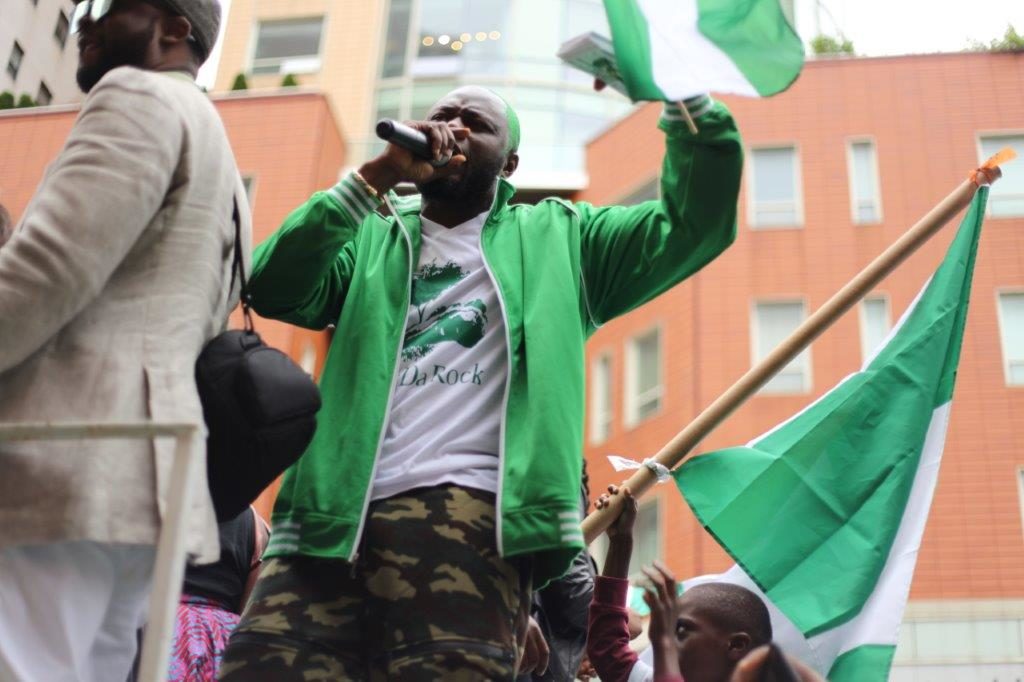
705	652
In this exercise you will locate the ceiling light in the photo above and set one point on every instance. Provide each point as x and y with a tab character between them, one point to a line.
444	40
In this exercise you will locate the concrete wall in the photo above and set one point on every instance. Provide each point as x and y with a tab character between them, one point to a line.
33	25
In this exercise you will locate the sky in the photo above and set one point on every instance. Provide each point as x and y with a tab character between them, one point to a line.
879	27
876	27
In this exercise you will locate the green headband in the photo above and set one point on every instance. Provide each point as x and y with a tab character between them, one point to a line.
513	124
513	127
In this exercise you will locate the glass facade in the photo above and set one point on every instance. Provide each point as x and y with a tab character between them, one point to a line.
434	46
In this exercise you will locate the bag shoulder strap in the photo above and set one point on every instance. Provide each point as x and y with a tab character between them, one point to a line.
238	268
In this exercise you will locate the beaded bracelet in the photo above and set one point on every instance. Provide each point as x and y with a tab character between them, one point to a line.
370	189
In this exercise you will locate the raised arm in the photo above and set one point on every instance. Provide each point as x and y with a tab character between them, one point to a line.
302	272
608	636
632	254
100	194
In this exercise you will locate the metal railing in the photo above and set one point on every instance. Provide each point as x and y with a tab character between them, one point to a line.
169	569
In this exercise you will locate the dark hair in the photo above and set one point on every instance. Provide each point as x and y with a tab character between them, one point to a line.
734	608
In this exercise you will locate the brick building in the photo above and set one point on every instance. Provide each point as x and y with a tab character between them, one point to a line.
836	169
287	145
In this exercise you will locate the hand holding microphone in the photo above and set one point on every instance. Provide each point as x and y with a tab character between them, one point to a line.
419	151
410	139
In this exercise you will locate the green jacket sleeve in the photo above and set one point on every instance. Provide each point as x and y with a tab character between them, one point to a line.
631	254
301	273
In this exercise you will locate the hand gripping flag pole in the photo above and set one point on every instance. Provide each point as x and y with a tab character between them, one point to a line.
714	414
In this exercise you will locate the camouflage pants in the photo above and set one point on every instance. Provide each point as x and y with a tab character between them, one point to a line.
428	599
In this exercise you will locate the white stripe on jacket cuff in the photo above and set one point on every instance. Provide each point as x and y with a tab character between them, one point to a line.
697	106
354	198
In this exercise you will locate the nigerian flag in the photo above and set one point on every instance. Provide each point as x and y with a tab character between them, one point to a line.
824	513
670	50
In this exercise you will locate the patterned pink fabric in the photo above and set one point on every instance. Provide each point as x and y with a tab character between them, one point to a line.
200	637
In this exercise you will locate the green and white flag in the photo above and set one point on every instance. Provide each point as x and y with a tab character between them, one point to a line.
824	514
670	50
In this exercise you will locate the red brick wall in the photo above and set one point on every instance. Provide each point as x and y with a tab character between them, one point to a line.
924	114
293	147
29	141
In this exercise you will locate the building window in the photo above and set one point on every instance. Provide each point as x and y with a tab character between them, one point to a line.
600	399
646	537
643	377
288	46
1011	326
773	322
947	642
397	39
61	31
14	61
775	199
45	96
1006	198
865	194
874	325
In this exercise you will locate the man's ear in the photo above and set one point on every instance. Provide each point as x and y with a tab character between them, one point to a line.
174	29
511	163
739	645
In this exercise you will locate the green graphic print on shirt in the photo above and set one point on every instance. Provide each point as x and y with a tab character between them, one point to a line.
461	323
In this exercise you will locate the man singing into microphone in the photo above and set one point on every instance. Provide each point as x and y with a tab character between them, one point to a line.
442	485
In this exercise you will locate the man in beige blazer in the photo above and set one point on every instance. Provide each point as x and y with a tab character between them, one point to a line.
117	275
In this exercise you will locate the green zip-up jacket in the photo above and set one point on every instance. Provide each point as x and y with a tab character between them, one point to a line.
561	269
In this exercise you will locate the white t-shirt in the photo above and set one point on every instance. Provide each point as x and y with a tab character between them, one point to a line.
445	420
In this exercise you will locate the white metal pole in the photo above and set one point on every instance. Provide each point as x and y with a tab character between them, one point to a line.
170	565
169	568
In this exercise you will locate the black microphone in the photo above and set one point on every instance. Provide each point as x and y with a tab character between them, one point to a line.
408	138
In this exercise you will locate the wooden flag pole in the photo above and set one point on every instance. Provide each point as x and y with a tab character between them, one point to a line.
689	119
714	414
